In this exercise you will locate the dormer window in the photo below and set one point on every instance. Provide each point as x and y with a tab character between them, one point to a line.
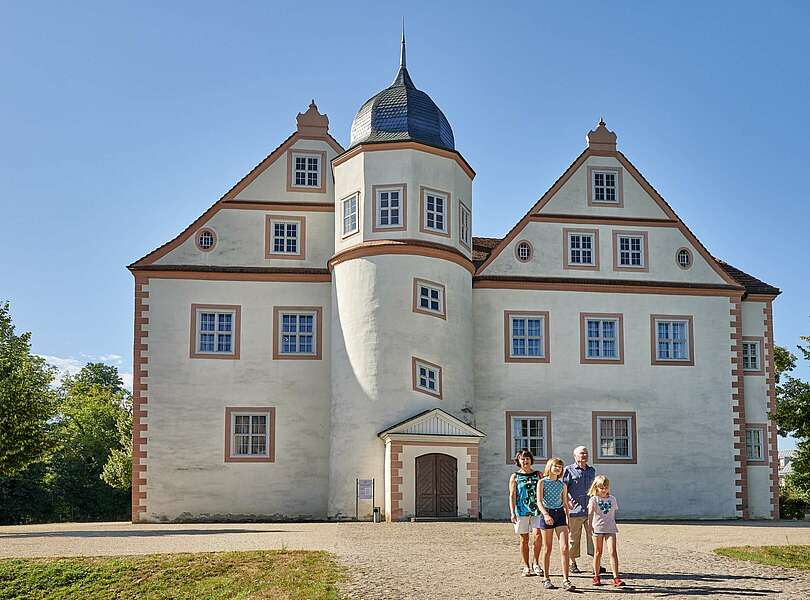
604	186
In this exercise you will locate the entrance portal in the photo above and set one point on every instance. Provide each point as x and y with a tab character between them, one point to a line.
436	486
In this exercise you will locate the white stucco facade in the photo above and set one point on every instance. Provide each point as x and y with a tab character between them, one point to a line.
288	345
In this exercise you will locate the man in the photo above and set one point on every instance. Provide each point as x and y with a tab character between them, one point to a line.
579	477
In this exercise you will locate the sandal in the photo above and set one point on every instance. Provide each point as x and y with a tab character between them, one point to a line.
596	580
548	585
617	582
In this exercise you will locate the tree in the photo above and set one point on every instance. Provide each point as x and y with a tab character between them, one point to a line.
793	415
93	411
27	401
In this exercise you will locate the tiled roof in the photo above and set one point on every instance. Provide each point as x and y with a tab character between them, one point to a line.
483	246
751	284
481	249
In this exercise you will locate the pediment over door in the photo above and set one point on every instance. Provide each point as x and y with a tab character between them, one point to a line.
432	423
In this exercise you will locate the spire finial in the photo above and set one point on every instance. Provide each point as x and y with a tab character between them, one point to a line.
402	50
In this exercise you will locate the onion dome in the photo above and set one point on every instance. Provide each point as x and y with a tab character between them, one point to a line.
400	112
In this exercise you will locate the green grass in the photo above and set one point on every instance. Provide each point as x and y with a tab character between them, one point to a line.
214	575
794	557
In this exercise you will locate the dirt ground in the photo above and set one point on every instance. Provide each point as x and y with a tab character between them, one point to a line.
457	560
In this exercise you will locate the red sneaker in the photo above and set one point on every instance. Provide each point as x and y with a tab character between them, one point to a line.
596	580
618	582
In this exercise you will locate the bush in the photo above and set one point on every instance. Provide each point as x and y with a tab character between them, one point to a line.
792	505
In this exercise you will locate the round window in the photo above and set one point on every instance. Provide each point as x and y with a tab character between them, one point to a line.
684	258
523	251
206	239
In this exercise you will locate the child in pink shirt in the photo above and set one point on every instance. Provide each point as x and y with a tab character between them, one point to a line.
602	509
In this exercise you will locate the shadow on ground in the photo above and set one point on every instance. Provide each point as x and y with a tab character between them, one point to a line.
133	534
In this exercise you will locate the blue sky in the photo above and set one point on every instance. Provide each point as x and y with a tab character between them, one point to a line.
122	122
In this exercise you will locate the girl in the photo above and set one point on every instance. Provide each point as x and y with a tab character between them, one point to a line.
555	508
523	507
602	509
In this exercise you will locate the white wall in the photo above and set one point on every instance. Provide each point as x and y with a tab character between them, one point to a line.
414	168
374	335
187	477
573	195
547	241
241	241
684	417
271	185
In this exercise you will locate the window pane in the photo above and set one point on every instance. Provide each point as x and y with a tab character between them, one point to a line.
207	342
241	424
607	427
225	321
224	343
206	321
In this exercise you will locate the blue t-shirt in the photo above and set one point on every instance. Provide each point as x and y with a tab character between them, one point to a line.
552	492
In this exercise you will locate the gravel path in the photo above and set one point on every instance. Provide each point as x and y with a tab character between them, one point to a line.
456	560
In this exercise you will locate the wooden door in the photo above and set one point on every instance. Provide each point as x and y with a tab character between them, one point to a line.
436	486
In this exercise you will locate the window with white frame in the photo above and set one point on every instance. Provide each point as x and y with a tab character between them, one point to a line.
307	170
464	225
350	222
604	186
615	437
526	333
297	333
215	331
427	377
530	432
751	356
206	239
581	248
602	338
429	298
435	212
672	340
684	258
523	251
755	444
284	237
389	207
250	434
631	250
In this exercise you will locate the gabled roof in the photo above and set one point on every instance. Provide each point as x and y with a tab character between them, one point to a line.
483	246
603	143
310	126
433	422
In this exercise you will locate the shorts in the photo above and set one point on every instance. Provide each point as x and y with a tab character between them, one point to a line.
613	534
558	514
526	524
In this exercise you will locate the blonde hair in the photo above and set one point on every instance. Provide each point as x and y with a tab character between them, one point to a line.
600	481
550	463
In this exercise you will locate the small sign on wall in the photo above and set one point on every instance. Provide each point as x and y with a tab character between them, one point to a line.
365	489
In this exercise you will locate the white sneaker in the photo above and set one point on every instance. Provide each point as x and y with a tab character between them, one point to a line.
537	570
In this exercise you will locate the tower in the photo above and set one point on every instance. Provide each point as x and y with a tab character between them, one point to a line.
401	338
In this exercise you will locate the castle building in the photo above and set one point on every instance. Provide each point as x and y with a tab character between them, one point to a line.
332	320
